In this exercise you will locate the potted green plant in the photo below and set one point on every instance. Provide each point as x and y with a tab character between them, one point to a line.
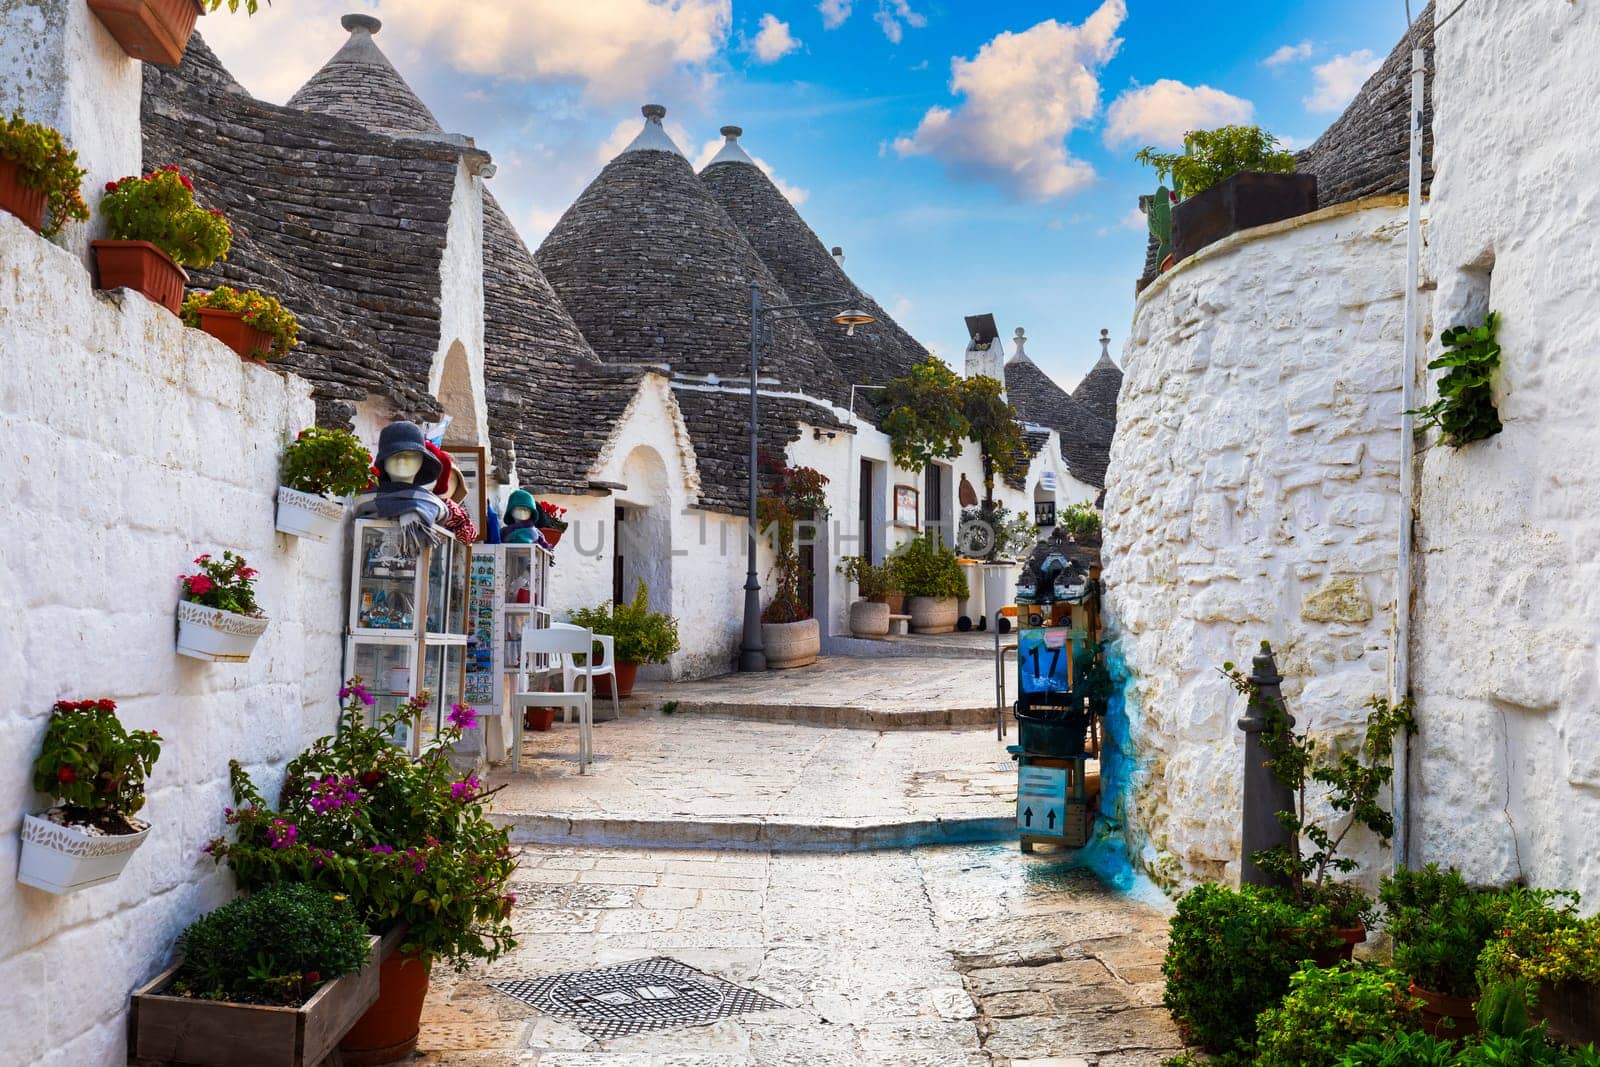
38	173
639	635
409	841
869	616
1440	926
1326	1010
253	324
1229	179
1082	523
94	769
218	618
1545	941
321	468
796	501
278	976
158	31
156	229
926	569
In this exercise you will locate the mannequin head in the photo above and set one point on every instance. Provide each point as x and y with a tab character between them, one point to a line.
519	514
403	466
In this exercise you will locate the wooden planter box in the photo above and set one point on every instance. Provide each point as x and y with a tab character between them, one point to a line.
176	1030
1238	203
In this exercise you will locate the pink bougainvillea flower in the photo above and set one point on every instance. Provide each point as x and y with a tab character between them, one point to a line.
465	789
462	717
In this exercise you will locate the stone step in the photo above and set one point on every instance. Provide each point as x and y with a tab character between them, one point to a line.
753	833
844	716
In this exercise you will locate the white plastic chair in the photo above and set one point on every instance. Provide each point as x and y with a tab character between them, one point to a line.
565	641
591	670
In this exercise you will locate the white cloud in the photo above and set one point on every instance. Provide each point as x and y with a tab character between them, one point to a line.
1025	93
902	307
1135	220
793	193
834	13
1289	53
893	16
256	50
1337	81
1162	113
613	49
774	41
623	133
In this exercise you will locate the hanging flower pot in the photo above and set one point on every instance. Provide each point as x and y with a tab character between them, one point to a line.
552	534
142	267
155	31
60	858
26	204
219	619
309	515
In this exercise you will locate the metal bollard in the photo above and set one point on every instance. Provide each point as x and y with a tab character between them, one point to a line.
1264	795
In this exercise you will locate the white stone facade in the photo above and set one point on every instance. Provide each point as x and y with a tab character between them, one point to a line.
1253	494
134	445
1506	630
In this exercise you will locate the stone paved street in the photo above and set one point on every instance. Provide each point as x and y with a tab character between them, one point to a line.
956	956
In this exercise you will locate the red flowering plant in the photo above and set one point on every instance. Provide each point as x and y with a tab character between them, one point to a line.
227	584
550	516
255	308
795	503
93	767
409	840
160	208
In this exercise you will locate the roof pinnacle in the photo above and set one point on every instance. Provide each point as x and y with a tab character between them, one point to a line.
357	21
732	151
654	136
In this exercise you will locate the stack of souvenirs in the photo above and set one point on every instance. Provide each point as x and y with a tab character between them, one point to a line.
1063	683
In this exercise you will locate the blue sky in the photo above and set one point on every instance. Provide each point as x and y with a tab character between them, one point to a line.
969	157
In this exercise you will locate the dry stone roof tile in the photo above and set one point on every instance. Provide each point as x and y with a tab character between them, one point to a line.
1099	388
360	85
1085	436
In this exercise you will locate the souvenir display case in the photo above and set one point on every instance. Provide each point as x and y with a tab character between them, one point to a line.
509	588
399	606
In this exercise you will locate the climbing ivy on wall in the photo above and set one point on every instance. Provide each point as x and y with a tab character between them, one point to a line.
1465	409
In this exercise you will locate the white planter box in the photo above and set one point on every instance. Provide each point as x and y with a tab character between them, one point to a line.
61	859
213	634
309	515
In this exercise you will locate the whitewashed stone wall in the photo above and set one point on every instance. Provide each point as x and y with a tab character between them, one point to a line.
1253	494
132	445
1507	621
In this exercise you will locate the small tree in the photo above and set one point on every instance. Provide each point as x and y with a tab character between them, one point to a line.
797	496
992	423
927	417
1211	156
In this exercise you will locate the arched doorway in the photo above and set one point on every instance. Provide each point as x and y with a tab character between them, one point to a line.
644	530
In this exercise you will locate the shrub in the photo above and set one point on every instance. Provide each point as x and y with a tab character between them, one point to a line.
925	567
1212	156
1081	521
994	533
1230	956
160	208
1465	410
796	496
327	462
927	414
259	310
228	584
1440	926
46	165
871	579
1409	1049
993	425
1543	939
407	840
272	947
1328	1010
639	634
94	767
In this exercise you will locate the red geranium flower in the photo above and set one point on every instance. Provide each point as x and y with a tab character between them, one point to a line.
66	774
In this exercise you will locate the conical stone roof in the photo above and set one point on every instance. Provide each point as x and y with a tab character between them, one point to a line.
654	271
360	85
1085	436
1099	388
806	269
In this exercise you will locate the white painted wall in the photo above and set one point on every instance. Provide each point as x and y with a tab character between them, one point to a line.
1253	495
133	445
61	67
461	314
1507	625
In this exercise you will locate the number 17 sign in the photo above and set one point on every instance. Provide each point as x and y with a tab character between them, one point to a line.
1044	660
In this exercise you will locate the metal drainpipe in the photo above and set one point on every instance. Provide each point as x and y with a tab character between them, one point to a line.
1402	657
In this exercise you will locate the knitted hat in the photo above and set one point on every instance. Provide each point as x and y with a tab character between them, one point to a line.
521	499
450	483
407	437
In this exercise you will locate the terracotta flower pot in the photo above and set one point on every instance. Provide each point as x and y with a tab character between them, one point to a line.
552	534
1345	950
1571	1010
1445	1016
388	1031
26	204
142	267
627	674
896	602
538	719
230	328
156	31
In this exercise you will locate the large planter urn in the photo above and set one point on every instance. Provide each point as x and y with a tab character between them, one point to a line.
1239	203
217	635
142	267
388	1031
932	614
63	859
166	1028
869	619
309	515
156	31
26	204
792	644
230	328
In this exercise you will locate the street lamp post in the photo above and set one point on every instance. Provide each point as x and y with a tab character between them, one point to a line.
752	652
